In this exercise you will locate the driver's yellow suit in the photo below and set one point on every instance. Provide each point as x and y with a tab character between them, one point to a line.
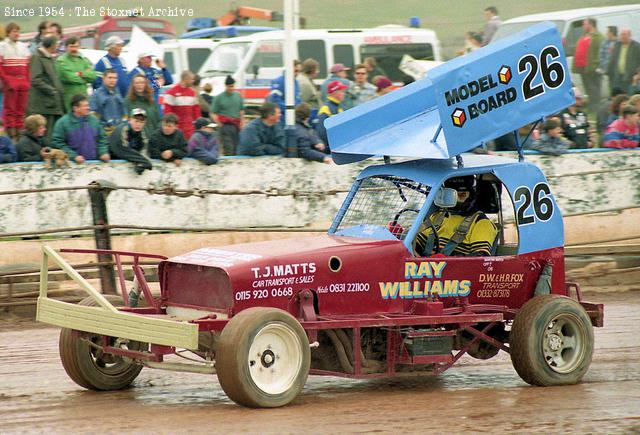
477	241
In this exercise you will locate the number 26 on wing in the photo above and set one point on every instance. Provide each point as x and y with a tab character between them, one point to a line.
545	65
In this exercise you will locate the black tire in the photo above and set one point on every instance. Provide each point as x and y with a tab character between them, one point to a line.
258	340
551	341
90	368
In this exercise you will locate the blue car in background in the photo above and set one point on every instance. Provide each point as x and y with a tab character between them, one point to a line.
221	32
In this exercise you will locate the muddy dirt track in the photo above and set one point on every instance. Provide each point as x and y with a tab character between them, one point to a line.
474	396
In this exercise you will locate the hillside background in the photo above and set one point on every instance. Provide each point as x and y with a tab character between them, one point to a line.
449	18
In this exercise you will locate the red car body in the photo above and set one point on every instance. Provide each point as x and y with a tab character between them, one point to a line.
369	276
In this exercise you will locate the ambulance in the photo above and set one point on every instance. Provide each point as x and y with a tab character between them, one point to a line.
257	59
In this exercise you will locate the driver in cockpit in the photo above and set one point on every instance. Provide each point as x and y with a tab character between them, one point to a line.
462	230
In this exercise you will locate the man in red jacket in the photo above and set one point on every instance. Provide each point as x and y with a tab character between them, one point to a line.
14	74
586	61
183	101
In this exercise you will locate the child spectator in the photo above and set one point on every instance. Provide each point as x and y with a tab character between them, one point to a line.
575	123
615	108
7	148
128	141
310	147
623	132
203	145
551	140
80	134
107	104
168	143
30	145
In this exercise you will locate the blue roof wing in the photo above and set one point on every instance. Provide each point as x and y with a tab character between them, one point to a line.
472	99
406	138
398	121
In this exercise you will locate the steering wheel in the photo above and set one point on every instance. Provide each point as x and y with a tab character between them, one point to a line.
436	239
404	210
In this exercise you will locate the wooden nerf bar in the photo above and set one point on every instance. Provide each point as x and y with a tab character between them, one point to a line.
106	319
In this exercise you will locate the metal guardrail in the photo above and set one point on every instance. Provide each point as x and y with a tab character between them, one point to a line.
164	229
171	190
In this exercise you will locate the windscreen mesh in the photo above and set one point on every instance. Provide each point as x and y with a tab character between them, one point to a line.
386	201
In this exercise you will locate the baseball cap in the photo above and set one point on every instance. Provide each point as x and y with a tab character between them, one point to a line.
112	41
145	54
204	122
383	83
336	68
335	86
578	93
138	112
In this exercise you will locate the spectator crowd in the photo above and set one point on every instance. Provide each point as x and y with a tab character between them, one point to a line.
52	97
607	103
55	98
607	114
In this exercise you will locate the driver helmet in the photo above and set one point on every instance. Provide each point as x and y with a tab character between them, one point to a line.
466	188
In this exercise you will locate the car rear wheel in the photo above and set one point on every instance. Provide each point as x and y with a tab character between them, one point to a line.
91	368
551	341
263	358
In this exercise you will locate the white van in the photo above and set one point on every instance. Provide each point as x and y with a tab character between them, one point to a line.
569	23
257	59
186	54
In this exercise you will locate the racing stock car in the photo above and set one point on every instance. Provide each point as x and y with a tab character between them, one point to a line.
361	301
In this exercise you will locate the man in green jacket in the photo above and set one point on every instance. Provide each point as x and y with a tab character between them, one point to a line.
80	134
586	61
75	71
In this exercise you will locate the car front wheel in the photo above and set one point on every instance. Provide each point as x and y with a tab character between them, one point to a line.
551	341
263	358
88	366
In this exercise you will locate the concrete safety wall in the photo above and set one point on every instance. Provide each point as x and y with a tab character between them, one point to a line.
264	192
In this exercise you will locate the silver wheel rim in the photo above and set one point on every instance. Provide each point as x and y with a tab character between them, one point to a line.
563	343
275	358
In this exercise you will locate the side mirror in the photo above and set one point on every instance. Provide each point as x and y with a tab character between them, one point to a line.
446	198
256	70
